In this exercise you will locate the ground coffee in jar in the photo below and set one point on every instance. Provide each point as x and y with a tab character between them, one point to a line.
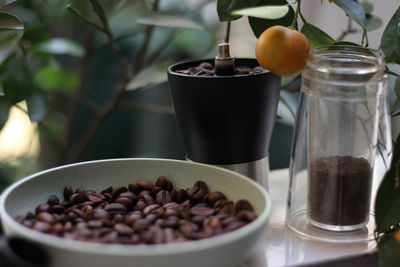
339	191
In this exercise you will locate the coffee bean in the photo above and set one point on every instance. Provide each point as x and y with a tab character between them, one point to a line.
95	224
212	222
57	228
144	184
149	199
131	218
53	200
29	215
134	188
108	190
155	190
80	190
42	227
214	196
107	196
246	215
28	223
129	195
124	201
163	197
181	196
115	207
227	209
170	212
171	221
258	69
45	217
118	218
96	198
42	208
151	218
243	204
198	219
202	211
164	183
77	198
206	65
161	182
67	192
141	204
123	229
198	191
117	191
140	225
99	213
87	210
150	208
79	213
58	209
68	226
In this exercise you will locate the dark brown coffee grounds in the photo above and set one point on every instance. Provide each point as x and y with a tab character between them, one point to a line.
207	69
339	190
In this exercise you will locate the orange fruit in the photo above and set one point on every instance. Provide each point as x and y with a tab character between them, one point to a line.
282	51
396	235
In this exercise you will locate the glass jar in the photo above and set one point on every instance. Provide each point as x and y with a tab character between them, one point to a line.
334	143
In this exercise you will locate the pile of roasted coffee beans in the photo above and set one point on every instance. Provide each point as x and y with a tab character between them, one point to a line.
206	69
140	213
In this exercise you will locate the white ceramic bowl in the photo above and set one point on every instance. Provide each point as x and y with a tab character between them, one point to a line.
221	251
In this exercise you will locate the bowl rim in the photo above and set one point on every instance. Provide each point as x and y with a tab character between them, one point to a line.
134	250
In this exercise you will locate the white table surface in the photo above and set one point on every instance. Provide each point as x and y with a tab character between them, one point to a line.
282	247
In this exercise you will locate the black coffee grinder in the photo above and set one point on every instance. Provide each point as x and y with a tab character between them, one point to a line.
226	119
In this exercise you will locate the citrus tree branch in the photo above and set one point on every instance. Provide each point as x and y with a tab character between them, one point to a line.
82	17
116	98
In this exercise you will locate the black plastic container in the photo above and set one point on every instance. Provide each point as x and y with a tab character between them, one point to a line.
225	119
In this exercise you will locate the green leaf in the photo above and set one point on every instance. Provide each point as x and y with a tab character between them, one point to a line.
226	7
368	6
36	107
346	43
388	197
18	84
171	21
373	23
6	2
396	89
10	22
149	77
390	42
60	46
354	10
264	12
388	251
52	79
260	25
315	36
4	111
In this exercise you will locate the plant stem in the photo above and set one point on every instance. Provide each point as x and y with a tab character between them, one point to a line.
364	41
82	17
98	9
349	30
228	32
120	90
296	15
141	54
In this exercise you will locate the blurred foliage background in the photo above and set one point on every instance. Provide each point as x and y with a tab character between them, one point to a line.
91	76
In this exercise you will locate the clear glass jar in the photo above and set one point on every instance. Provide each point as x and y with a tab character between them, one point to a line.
334	144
